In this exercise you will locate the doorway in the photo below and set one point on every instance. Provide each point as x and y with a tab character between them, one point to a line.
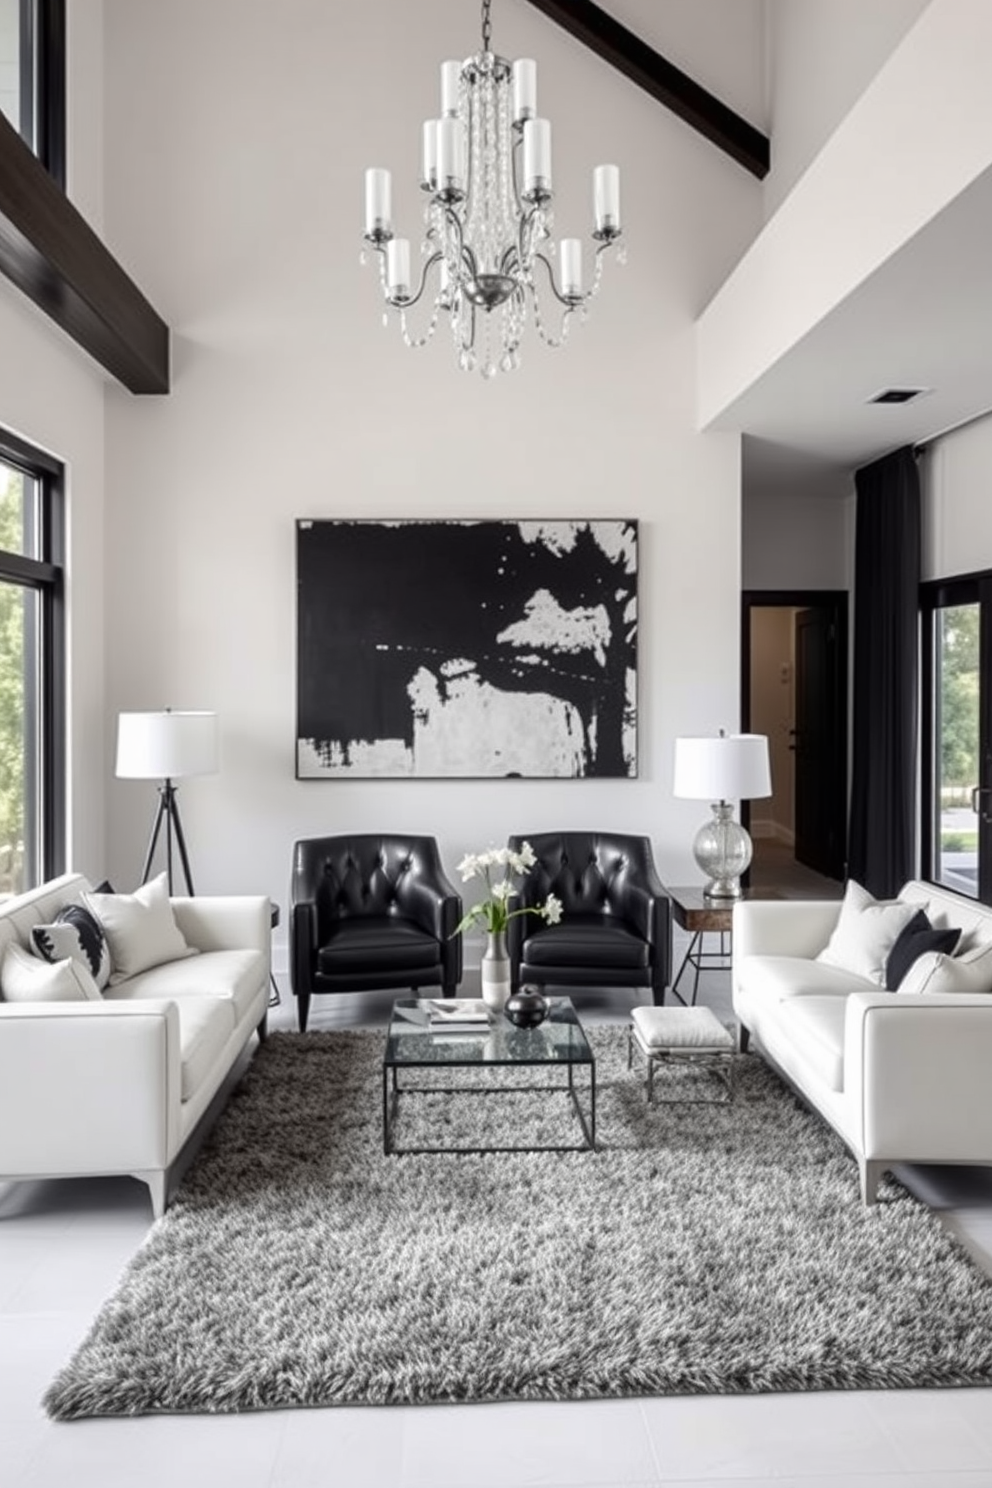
794	689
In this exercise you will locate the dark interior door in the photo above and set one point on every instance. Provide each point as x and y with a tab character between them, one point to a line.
820	742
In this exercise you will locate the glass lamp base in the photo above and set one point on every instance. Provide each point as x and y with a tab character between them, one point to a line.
723	851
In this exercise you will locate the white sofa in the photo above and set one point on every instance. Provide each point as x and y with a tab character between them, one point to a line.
119	1084
901	1076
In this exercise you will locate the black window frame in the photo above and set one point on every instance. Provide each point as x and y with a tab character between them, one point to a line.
938	594
46	576
42	83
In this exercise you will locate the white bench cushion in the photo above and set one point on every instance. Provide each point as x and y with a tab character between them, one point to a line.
693	1029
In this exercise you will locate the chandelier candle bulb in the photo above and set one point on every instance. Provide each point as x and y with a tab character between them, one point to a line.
537	157
524	89
378	203
450	155
428	169
570	250
451	73
398	268
606	198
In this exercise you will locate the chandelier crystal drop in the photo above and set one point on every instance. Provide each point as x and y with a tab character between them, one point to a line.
488	260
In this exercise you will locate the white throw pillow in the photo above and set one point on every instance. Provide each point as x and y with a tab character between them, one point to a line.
865	933
936	972
27	978
141	929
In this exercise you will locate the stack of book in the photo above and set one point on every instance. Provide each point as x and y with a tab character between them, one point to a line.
459	1015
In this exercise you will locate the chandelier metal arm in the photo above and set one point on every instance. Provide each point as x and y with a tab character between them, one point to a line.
406	302
569	301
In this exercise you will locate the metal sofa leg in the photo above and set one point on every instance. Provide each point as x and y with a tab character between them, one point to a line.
302	1009
869	1172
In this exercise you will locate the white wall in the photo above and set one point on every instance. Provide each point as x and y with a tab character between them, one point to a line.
956	477
822	54
795	541
51	394
236	139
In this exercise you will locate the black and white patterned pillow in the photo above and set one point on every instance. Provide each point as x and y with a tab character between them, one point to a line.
79	935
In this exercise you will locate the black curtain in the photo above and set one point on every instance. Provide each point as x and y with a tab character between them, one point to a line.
882	844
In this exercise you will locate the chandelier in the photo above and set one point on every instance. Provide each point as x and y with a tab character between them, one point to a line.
487	259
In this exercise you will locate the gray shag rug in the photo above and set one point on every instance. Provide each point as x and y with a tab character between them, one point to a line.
701	1249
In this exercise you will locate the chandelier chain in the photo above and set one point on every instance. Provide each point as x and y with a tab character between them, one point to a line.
487	29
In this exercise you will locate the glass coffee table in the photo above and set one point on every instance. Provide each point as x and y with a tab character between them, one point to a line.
557	1047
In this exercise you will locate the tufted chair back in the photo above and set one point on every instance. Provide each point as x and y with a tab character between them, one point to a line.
366	875
588	871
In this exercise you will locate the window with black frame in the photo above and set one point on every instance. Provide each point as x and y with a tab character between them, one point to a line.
32	77
32	667
957	734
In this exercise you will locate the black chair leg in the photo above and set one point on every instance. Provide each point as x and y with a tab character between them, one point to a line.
303	1009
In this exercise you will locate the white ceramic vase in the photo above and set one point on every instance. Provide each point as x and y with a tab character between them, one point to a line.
495	972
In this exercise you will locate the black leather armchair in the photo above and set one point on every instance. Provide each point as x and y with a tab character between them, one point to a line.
615	929
371	912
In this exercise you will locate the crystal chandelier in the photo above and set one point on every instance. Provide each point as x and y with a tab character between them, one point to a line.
487	255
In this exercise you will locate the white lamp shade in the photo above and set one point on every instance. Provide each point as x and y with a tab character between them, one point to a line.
729	767
166	745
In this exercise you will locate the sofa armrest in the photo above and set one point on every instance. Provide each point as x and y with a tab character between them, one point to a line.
231	922
916	1075
783	927
88	1087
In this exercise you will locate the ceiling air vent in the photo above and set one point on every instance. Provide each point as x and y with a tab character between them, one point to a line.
897	395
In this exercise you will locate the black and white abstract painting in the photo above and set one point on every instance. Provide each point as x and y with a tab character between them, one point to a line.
439	649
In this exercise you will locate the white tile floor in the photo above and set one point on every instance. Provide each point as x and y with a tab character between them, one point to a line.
63	1245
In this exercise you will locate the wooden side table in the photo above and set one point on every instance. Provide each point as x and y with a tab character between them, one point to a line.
701	916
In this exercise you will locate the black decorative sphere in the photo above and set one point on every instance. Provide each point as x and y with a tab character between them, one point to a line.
528	1007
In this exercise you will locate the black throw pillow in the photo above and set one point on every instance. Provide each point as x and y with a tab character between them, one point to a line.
913	941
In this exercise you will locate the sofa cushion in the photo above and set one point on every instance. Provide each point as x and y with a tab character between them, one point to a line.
913	941
76	932
934	972
27	978
781	977
205	1025
140	928
234	976
815	1028
865	933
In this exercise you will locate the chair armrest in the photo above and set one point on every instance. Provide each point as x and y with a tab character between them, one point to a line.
302	945
916	1075
434	904
231	922
88	1087
783	927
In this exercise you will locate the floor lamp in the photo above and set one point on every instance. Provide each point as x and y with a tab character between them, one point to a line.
166	746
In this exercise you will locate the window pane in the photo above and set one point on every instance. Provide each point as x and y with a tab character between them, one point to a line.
18	512
19	824
10	61
957	747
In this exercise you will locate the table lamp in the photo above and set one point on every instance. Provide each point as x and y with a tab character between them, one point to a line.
722	769
166	746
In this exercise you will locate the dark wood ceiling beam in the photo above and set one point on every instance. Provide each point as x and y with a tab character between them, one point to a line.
663	80
50	252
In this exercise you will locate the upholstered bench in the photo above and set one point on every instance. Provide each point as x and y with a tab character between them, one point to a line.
682	1035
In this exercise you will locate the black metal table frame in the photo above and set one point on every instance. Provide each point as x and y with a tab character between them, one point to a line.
392	1090
702	960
